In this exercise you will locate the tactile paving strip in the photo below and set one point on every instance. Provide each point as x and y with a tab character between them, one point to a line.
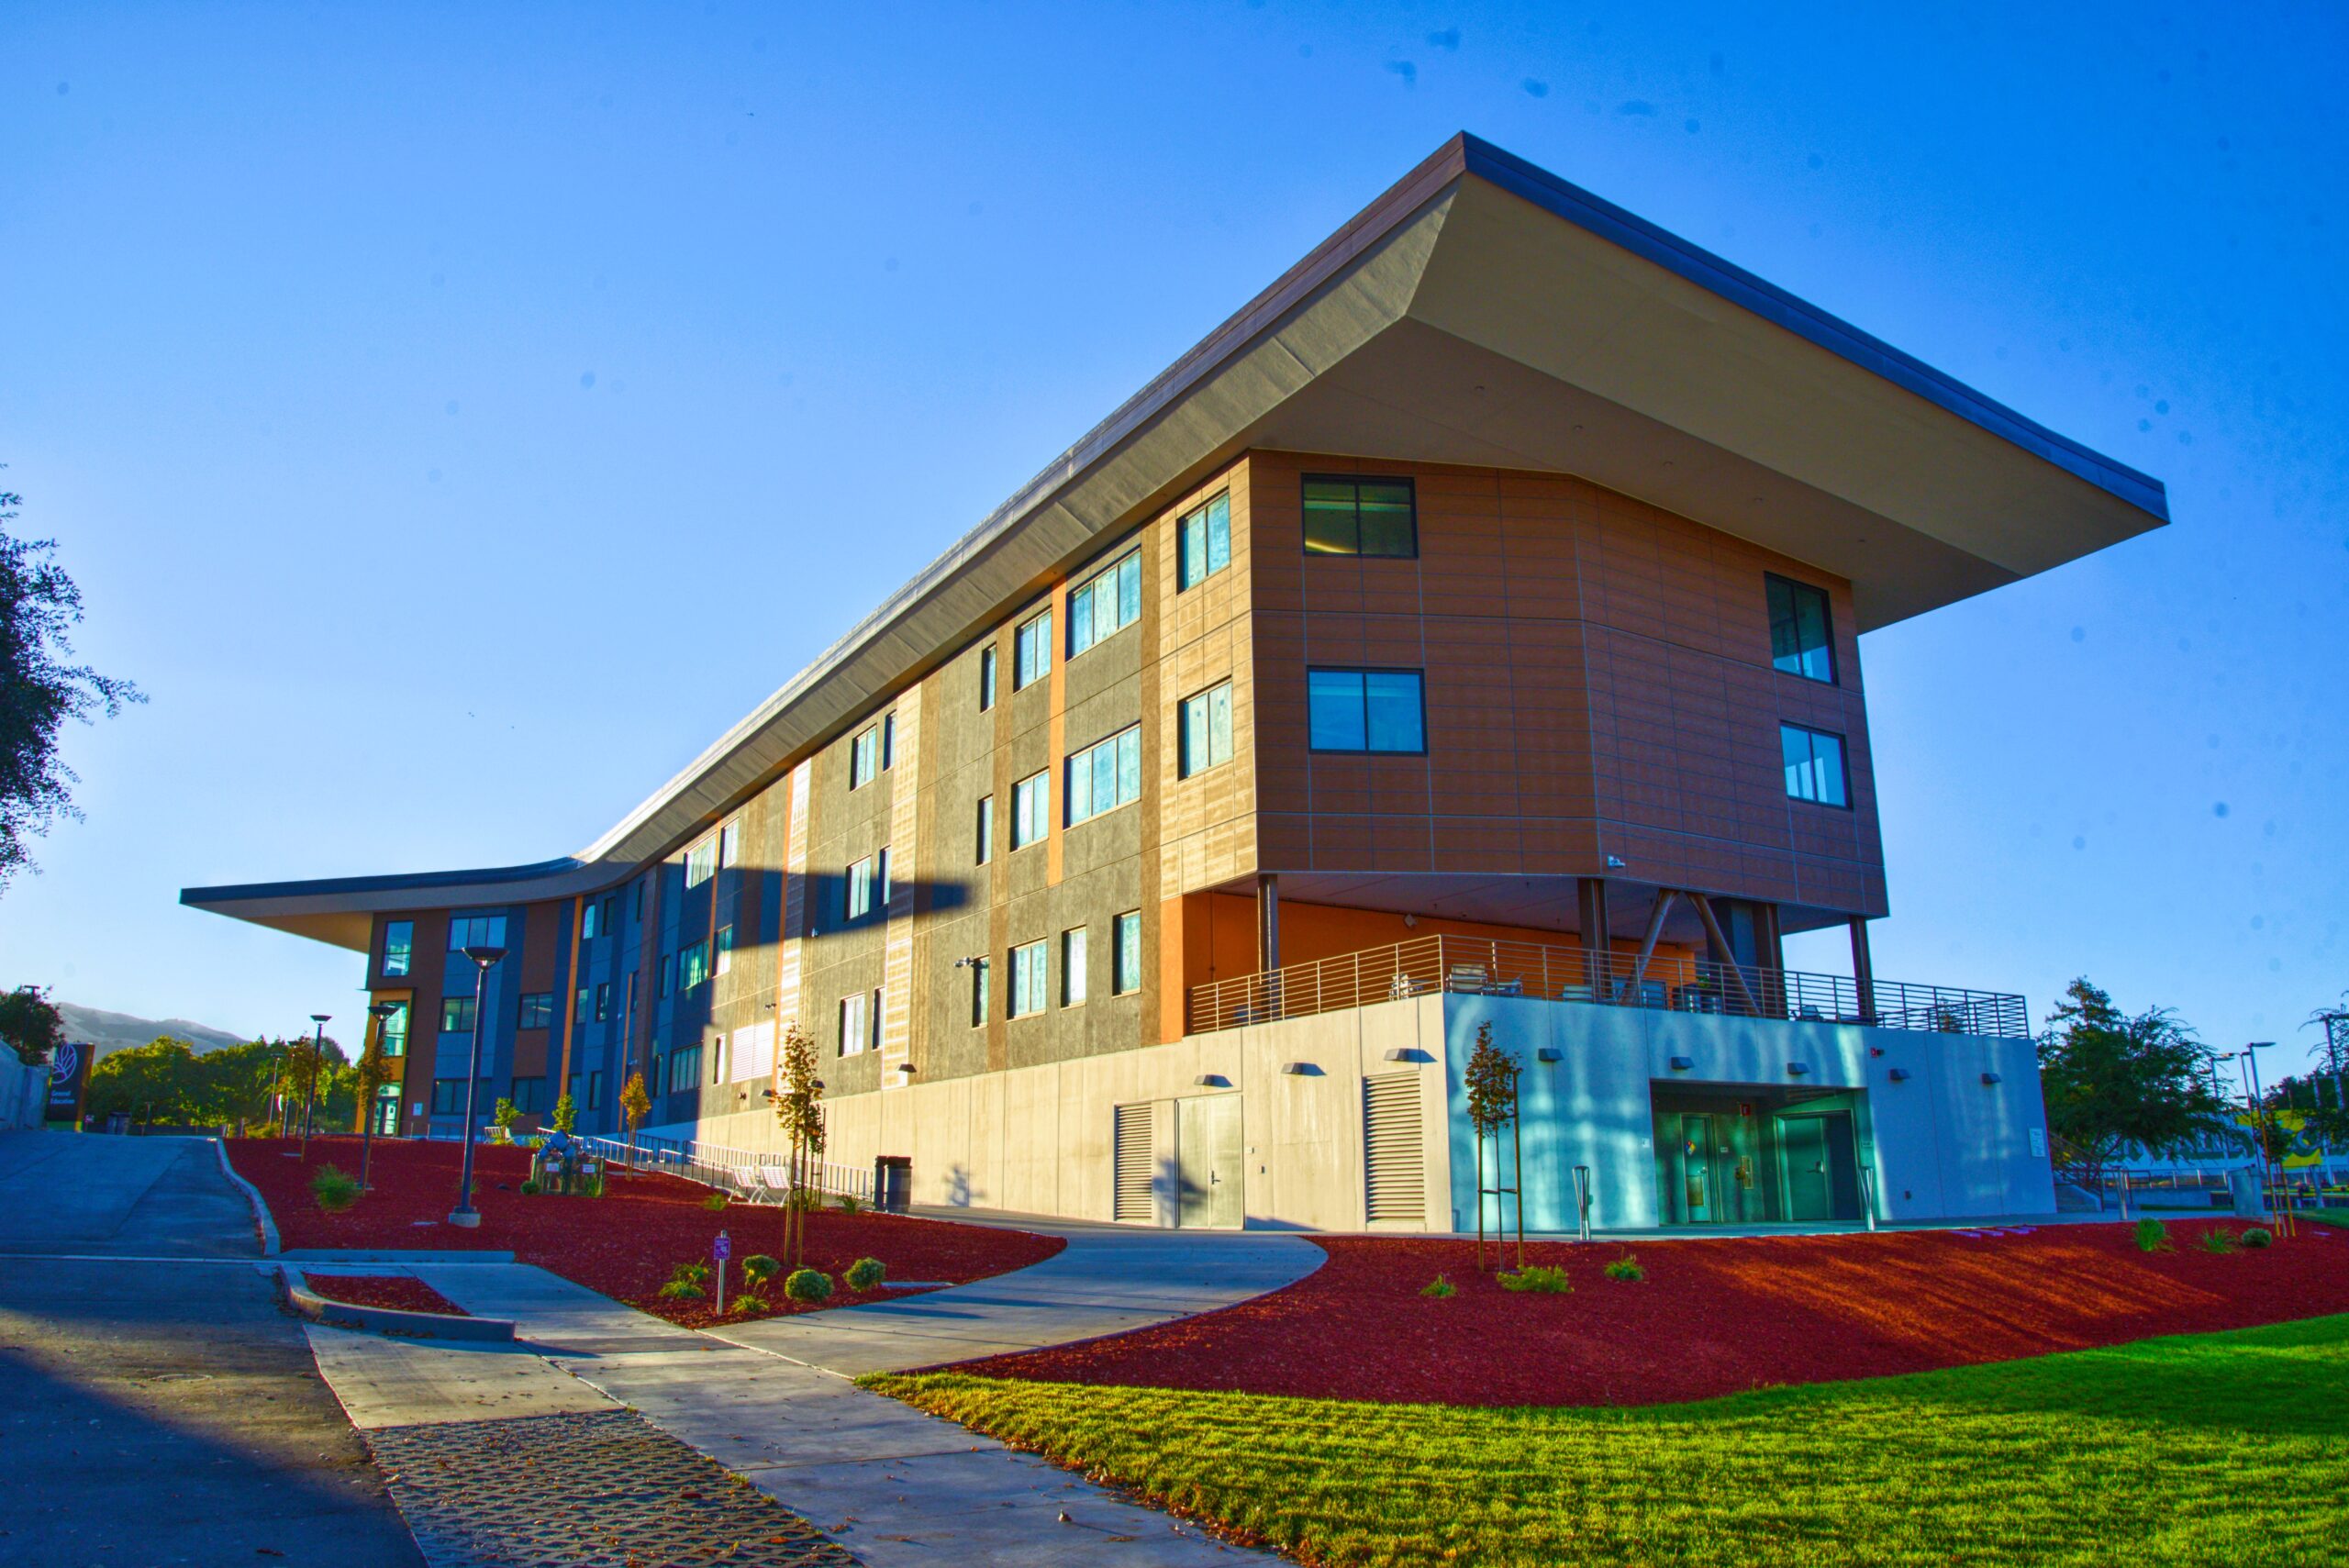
598	1489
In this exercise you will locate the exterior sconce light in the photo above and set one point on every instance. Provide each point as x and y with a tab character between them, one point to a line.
1797	1069
1682	1063
1212	1081
1900	1074
1298	1069
1989	1077
1549	1054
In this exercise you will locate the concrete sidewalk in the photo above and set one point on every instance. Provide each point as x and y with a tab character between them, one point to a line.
770	1401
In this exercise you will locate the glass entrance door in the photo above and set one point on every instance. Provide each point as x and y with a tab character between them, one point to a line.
1700	1192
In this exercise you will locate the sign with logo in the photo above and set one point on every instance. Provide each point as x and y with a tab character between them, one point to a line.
721	1248
69	1080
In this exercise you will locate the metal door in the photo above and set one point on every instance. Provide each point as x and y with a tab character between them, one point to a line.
1208	1154
1700	1198
1803	1154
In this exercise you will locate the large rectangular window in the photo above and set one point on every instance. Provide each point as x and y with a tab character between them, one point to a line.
456	1015
684	1068
1031	800
1814	761
538	1010
1105	604
1032	651
859	882
1125	954
476	931
1206	729
987	679
1105	775
986	826
586	1091
1028	979
1365	710
1360	517
693	965
856	1025
1802	641
396	1030
701	861
864	757
1203	543
399	945
1073	966
529	1096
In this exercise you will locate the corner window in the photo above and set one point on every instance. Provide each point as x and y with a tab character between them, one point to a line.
986	830
701	861
1360	517
1365	710
862	753
1206	729
1802	640
1030	808
476	931
1073	966
1814	760
1031	651
538	1010
1125	954
1203	543
1105	604
986	678
1105	776
1027	975
399	946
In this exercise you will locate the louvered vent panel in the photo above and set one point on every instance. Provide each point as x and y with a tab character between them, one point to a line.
1391	1145
1134	1156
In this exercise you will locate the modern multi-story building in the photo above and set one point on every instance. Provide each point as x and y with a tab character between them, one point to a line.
1463	638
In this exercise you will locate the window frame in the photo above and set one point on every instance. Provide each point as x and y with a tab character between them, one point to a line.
1411	494
722	955
543	1008
1812	736
399	937
1366	750
1118	574
1032	649
701	863
985	828
858	882
1073	966
987	660
1795	590
392	1033
1125	973
1117	747
491	932
858	1004
1042	811
1210	522
863	752
466	1005
1187	766
1031	975
982	993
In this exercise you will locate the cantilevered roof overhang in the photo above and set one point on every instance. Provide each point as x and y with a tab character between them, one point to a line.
1482	311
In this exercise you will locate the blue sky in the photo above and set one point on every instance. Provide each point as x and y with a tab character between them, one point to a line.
456	416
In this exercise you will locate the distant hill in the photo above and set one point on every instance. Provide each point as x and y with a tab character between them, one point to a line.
114	1032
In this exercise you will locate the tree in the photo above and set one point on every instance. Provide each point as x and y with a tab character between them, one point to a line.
566	1114
635	1106
372	1073
29	1023
798	1107
1491	1080
2111	1080
163	1081
39	690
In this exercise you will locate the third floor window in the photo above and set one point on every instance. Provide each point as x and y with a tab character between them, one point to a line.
1206	729
1802	642
1032	651
1106	604
1204	542
1105	775
1814	760
1360	517
1365	710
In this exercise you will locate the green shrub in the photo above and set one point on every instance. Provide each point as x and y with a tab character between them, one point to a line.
334	1189
714	1202
749	1305
863	1274
808	1285
1539	1280
2153	1236
682	1290
530	1189
2258	1236
758	1268
592	1186
847	1204
1627	1269
1438	1288
2217	1241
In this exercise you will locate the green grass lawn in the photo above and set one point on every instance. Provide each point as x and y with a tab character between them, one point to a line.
2223	1449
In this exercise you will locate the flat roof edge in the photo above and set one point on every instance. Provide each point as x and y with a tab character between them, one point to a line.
395	882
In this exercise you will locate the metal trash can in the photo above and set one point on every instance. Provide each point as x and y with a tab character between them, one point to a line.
893	1182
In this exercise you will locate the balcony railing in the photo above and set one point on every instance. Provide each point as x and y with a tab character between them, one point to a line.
1479	966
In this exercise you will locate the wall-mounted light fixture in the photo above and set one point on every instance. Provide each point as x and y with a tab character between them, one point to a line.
1899	1074
1549	1054
1212	1081
1682	1063
1301	1069
1989	1077
1797	1069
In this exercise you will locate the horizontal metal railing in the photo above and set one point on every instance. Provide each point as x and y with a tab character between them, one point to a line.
1664	980
720	1165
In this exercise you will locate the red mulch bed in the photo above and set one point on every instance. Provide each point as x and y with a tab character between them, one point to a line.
396	1291
624	1243
1712	1317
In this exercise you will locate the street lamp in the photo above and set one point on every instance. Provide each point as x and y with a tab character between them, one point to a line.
382	1012
464	1214
310	1088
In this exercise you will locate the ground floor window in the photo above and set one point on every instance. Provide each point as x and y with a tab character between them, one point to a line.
1755	1155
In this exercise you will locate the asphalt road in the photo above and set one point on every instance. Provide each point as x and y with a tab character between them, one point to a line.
156	1405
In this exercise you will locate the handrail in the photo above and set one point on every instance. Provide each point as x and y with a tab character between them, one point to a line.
1486	966
718	1164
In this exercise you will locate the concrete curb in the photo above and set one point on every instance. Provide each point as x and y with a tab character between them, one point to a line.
268	1248
341	1256
392	1321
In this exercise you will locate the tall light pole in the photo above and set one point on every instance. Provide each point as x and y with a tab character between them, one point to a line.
464	1214
2261	1128
310	1088
380	1012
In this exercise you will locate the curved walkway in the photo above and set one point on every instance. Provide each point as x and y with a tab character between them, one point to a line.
771	1401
